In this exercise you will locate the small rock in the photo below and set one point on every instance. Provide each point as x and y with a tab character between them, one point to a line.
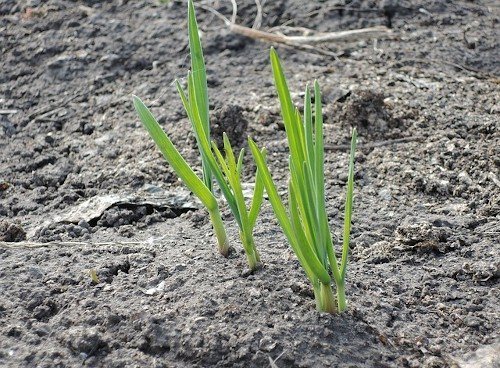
433	362
463	177
14	331
35	272
472	321
254	293
85	340
11	232
385	194
267	344
156	289
484	357
180	267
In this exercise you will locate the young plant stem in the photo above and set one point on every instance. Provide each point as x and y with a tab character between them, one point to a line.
251	252
341	299
323	295
228	172
220	232
327	300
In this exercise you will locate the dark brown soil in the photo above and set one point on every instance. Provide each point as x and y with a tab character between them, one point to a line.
83	190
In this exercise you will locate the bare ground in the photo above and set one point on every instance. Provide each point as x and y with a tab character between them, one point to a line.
83	188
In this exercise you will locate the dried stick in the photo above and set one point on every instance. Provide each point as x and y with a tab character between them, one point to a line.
311	40
235	11
29	244
354	34
303	42
8	111
258	18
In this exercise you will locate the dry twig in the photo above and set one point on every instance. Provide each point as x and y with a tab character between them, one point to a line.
301	42
258	18
29	244
311	40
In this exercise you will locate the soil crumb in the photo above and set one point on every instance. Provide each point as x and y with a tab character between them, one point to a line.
11	232
230	120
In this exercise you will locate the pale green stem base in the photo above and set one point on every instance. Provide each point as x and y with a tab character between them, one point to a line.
325	301
341	299
253	257
317	296
220	232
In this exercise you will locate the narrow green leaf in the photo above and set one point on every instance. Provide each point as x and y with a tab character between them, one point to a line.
198	68
308	258
231	160
305	245
185	101
222	162
332	258
201	131
197	85
207	156
239	166
348	205
234	180
271	190
230	169
319	149
258	195
312	216
308	129
302	191
222	174
173	156
287	108
288	111
193	115
301	138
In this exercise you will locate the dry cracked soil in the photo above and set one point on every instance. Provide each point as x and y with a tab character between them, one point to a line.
83	190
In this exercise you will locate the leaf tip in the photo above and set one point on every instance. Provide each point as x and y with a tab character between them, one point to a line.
274	54
137	102
251	143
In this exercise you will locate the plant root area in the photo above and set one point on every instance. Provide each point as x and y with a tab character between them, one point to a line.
107	261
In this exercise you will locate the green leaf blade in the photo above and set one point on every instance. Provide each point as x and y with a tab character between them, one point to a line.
305	245
198	68
174	158
308	129
291	121
258	195
307	258
348	205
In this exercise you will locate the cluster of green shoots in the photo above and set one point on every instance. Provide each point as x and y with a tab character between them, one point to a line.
226	171
305	223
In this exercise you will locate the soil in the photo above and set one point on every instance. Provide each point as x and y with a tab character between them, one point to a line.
106	261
